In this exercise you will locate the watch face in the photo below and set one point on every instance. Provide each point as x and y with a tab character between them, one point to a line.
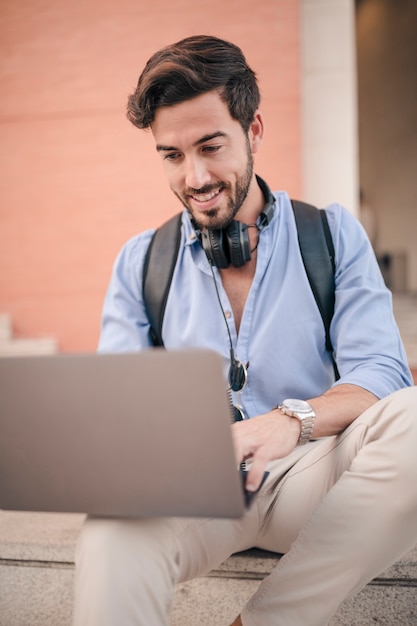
299	406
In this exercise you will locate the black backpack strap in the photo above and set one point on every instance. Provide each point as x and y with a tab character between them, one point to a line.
317	251
158	270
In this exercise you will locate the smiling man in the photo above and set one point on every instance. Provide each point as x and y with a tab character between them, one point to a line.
210	173
340	453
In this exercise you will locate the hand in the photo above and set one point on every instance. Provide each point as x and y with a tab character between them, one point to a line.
263	438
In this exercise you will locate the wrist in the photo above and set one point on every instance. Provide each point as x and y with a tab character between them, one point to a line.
293	425
303	413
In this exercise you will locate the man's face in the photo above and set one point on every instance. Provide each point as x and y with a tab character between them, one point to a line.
207	158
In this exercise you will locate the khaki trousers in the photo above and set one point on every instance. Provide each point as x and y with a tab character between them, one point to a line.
342	509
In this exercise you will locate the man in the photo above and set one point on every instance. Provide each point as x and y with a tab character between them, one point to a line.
341	498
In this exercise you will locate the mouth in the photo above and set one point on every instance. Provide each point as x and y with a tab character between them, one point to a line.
207	197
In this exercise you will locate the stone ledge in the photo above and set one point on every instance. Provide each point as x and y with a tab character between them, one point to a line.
37	570
51	537
257	564
216	602
5	327
43	537
27	347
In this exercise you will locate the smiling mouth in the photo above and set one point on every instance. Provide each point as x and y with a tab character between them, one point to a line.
205	197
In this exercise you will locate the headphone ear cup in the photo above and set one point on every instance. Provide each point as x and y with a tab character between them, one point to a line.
238	243
214	244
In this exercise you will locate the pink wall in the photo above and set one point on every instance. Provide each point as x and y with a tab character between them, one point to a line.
77	179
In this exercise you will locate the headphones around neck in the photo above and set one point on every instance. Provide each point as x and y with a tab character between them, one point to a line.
230	245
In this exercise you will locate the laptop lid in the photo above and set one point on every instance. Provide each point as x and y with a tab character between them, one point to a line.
138	434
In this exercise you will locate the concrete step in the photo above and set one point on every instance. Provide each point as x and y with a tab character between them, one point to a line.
12	346
390	600
5	327
28	347
37	569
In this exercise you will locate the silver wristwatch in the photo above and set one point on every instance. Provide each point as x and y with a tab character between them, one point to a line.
304	412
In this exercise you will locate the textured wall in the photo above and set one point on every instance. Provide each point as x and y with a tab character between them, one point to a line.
77	179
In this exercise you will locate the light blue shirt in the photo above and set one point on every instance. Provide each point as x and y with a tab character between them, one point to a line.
281	332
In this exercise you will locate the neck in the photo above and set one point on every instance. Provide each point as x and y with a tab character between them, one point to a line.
253	205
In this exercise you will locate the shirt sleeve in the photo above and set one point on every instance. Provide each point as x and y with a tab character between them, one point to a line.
125	326
367	343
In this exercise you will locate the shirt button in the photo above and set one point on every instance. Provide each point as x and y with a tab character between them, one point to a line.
228	314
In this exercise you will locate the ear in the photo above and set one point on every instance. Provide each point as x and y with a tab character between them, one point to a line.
256	131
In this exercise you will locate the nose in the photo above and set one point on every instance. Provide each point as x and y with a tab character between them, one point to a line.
196	173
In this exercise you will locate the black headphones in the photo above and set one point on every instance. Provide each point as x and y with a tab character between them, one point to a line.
227	246
230	245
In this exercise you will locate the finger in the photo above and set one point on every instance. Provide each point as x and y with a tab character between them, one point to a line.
241	447
255	474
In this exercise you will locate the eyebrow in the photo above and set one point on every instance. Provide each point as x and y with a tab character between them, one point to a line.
204	139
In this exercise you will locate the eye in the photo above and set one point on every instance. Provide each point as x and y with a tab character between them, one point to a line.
211	149
172	156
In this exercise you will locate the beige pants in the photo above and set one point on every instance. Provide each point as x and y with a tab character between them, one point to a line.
342	509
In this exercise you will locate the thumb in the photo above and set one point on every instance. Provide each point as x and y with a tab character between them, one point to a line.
256	475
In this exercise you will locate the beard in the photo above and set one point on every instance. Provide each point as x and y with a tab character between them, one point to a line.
236	197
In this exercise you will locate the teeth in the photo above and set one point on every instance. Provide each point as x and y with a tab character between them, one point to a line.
204	197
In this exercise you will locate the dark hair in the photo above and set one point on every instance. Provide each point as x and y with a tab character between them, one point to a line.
189	68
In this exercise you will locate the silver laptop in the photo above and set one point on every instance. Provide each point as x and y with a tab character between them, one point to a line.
143	434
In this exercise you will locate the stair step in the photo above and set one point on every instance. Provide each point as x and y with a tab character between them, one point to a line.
37	571
27	347
5	327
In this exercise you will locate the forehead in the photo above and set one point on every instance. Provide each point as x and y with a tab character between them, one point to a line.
190	120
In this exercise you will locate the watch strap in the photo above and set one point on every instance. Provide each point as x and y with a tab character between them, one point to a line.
307	425
306	421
